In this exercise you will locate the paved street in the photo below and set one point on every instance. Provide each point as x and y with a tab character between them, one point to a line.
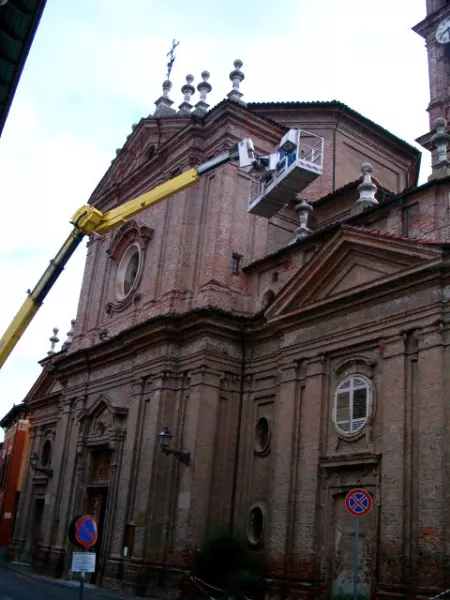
15	586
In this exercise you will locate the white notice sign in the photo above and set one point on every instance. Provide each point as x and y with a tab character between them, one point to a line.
83	562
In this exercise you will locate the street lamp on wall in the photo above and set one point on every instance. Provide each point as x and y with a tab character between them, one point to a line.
47	471
164	441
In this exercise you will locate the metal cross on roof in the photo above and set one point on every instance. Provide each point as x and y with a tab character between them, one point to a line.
171	53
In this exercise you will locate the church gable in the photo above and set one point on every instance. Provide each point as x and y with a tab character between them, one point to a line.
141	146
46	385
354	259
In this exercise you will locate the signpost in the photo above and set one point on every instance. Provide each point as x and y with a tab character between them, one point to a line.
83	532
358	503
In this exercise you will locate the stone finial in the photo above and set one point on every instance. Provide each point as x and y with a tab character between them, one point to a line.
187	90
69	338
236	77
164	103
303	209
439	141
204	87
54	340
367	190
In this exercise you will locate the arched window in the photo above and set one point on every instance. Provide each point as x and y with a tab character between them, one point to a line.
352	403
46	453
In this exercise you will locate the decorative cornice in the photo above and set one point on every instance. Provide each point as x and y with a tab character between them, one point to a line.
339	461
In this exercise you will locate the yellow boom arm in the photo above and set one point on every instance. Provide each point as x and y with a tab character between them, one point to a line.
90	220
86	220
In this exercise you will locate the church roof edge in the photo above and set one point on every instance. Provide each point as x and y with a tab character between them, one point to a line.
333	104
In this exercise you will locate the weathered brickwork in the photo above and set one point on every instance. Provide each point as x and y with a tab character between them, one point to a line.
238	342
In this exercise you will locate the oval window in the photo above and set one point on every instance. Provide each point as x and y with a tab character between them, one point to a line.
128	271
255	530
262	435
352	404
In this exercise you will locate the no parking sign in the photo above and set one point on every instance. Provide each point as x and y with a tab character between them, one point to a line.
358	503
83	531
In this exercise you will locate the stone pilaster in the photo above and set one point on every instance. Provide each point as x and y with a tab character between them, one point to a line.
431	455
199	438
72	473
125	474
158	496
145	462
286	438
311	419
392	413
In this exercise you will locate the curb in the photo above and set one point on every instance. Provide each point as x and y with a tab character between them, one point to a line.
68	583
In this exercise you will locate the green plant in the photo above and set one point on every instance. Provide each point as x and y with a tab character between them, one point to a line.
226	562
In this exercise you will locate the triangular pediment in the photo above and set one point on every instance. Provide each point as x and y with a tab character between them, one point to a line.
352	260
102	417
45	385
146	138
56	387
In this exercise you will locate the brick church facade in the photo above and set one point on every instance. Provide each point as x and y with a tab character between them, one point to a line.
293	361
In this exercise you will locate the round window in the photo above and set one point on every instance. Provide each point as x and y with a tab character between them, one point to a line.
128	271
262	436
255	529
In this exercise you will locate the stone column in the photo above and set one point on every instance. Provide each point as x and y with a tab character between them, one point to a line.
286	439
311	425
391	409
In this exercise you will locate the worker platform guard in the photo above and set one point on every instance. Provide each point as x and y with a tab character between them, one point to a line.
296	164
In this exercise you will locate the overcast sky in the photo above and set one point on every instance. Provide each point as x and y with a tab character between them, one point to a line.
96	67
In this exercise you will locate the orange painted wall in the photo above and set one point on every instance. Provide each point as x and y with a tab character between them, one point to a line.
12	465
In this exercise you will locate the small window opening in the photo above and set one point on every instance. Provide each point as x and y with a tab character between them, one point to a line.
46	453
275	277
236	260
